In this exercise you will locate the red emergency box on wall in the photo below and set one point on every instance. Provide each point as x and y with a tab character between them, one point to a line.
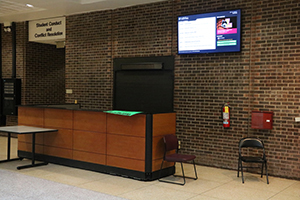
262	119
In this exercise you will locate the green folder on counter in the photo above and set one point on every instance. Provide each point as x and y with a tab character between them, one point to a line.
121	112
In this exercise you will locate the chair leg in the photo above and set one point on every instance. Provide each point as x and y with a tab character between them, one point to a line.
266	172
161	166
262	170
182	173
242	171
174	176
238	170
182	176
196	176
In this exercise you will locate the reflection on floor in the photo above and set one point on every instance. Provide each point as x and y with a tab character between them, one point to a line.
213	183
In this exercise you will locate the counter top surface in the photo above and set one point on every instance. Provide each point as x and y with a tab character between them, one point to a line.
75	107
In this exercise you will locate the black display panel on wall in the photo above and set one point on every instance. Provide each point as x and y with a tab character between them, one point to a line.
11	96
144	84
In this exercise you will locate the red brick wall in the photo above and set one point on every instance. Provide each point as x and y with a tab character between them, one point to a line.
275	73
89	60
142	31
45	74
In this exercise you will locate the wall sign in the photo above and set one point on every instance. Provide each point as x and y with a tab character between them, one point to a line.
47	29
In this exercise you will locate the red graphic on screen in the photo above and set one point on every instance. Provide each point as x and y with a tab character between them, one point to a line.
226	25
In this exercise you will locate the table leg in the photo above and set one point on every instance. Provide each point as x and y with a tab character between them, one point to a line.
33	164
33	149
8	146
8	150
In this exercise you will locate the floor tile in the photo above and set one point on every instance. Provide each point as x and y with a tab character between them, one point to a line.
193	186
204	197
73	177
116	185
233	191
293	190
154	192
256	182
216	174
284	197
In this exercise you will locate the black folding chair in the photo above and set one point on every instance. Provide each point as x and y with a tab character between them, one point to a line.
171	146
255	153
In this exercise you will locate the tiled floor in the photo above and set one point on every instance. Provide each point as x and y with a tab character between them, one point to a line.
213	183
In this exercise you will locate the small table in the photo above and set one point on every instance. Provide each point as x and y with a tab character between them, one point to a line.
24	130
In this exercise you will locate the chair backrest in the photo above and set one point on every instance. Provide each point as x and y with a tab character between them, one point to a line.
171	142
251	142
254	143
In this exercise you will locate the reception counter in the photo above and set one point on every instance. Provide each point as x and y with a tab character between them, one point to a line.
129	146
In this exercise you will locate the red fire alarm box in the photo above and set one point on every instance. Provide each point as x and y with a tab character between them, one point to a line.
262	119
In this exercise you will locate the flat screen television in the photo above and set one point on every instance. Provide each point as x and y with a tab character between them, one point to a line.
210	32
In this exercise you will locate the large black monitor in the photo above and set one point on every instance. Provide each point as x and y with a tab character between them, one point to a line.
144	84
210	32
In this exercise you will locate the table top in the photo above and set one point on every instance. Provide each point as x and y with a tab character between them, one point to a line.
25	129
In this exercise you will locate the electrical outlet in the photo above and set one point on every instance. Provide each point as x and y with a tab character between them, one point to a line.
297	119
178	144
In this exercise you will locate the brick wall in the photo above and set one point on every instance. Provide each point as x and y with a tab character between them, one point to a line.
89	60
142	31
275	73
44	75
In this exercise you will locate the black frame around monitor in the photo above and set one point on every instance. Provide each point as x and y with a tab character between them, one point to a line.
222	42
144	84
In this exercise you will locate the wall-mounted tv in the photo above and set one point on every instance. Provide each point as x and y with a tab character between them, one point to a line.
210	32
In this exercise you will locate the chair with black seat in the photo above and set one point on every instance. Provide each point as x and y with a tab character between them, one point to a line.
252	150
171	155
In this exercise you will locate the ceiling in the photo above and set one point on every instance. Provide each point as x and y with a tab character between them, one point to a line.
16	10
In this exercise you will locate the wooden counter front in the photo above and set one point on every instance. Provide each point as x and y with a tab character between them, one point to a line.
163	124
32	117
99	141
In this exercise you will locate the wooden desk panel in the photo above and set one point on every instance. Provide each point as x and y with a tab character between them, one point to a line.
126	146
58	118
158	148
156	164
158	153
126	163
164	124
31	116
39	138
24	146
89	141
63	138
89	157
90	121
125	125
58	152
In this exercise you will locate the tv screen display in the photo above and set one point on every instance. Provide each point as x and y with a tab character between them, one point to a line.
210	32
